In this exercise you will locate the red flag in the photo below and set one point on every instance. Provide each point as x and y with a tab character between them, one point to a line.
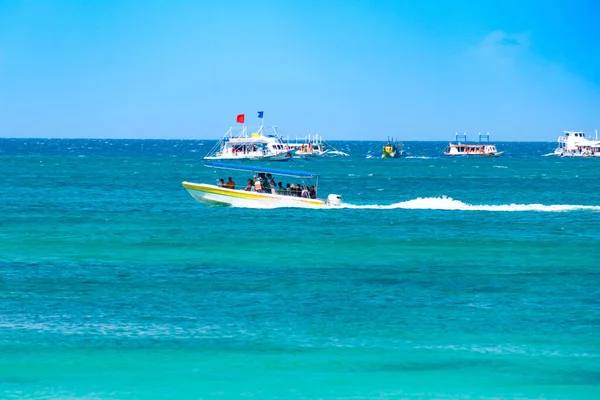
240	118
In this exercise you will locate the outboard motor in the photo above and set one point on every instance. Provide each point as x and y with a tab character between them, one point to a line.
334	200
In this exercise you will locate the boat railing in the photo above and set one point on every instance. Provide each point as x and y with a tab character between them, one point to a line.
460	137
315	140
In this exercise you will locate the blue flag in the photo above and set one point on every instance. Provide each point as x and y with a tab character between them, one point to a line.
260	113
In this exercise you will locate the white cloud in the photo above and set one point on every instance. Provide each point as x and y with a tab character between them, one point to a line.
501	49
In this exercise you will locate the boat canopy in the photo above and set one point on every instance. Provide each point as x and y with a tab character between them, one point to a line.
248	168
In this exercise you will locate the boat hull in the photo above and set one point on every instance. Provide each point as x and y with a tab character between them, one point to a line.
474	154
217	195
578	154
393	155
275	157
299	153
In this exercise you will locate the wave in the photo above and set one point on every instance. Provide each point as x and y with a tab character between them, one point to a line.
54	325
509	349
435	203
449	204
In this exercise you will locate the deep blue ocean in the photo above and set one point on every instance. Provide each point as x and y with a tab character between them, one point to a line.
438	278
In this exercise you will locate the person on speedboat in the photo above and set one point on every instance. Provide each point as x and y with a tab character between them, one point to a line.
280	189
264	183
258	185
230	183
272	183
305	193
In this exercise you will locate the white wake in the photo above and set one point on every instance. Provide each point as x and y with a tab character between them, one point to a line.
448	203
435	203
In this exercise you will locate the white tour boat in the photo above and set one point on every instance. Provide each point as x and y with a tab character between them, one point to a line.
312	146
259	185
258	145
460	147
575	144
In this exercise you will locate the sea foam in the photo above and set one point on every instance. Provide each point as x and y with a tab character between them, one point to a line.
448	203
435	203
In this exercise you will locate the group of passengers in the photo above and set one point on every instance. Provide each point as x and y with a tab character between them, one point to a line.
246	149
265	183
229	185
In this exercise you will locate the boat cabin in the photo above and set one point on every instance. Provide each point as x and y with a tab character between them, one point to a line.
255	146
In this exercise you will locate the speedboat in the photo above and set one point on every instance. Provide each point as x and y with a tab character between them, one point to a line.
575	144
460	147
262	186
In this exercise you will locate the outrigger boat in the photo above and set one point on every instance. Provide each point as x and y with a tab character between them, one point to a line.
392	149
460	148
389	149
292	194
575	144
258	145
312	146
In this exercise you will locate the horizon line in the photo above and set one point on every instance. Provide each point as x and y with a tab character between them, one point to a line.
208	139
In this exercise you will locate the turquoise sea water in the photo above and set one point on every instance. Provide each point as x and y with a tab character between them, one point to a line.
446	278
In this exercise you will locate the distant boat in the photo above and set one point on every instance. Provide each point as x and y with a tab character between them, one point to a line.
312	145
392	149
389	149
460	147
258	145
260	188
575	144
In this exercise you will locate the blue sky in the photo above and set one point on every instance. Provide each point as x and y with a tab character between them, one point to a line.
355	70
